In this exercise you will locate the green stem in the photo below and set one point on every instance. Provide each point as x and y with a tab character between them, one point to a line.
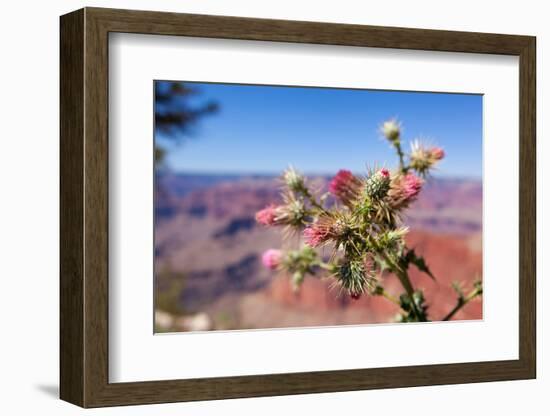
461	302
326	266
390	297
403	277
313	201
401	155
405	281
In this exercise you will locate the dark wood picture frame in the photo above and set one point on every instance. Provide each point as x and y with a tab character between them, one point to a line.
84	207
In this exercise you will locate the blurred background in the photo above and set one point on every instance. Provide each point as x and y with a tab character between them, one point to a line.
219	150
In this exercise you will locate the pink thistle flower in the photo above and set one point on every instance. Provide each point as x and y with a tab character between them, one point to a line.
326	228
437	153
267	215
345	186
272	258
291	213
340	181
384	173
315	235
412	185
403	190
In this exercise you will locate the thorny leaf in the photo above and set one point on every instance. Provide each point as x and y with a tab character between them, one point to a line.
419	262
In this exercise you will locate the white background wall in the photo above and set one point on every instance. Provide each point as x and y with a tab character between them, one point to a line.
29	206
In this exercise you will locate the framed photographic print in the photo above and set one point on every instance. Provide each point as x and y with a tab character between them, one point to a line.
255	207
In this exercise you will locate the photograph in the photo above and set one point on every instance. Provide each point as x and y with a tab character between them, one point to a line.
290	206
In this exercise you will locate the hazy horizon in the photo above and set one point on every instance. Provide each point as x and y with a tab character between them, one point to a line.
310	174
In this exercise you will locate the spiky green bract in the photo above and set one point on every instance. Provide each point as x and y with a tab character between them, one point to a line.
377	212
356	276
375	205
377	184
390	240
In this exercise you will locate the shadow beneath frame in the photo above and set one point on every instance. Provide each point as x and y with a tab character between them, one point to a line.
51	390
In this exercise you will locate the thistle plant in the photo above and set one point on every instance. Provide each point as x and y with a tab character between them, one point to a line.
362	228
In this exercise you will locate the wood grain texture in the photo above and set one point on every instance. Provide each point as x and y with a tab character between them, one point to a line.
84	207
72	367
96	209
527	208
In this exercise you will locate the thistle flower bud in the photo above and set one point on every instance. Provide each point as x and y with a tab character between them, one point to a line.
326	228
422	159
297	279
267	215
315	235
272	258
412	185
293	213
356	276
384	173
345	186
378	184
298	263
294	180
437	153
391	239
403	190
391	129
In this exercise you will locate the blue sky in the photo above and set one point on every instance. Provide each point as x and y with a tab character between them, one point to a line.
263	129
